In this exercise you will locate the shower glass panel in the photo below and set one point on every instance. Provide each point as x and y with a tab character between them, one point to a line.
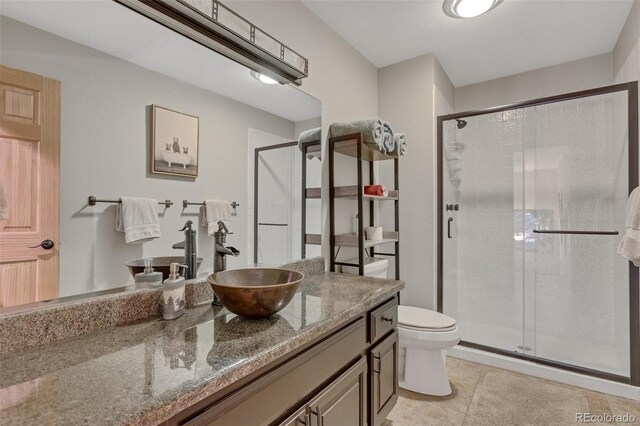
277	202
533	208
576	285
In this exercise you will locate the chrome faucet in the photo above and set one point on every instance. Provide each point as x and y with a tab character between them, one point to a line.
221	249
190	254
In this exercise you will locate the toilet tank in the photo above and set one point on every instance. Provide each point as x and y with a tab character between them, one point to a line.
374	267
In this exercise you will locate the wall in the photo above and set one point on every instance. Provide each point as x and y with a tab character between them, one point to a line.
104	139
407	98
345	82
563	78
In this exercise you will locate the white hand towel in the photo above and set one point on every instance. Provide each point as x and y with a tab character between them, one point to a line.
138	219
630	245
214	211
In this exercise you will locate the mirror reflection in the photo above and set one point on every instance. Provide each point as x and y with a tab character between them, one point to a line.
143	113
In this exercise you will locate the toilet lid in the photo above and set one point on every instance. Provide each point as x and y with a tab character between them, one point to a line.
424	318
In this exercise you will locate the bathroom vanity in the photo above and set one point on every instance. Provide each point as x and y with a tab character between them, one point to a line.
328	358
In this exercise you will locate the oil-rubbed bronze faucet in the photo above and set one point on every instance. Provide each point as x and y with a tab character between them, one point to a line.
190	254
221	249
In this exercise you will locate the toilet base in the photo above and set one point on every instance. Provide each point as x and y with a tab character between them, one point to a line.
428	373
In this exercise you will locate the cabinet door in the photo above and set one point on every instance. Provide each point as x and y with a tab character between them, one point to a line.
344	401
384	378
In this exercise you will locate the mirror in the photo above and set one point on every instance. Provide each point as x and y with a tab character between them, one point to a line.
144	112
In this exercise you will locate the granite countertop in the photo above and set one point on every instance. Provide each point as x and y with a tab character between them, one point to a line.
147	371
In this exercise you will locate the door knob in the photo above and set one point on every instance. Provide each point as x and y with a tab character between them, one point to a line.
45	244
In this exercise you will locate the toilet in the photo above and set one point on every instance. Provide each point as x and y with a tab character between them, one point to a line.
425	337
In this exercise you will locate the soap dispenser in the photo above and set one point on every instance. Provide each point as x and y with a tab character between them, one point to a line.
148	276
173	294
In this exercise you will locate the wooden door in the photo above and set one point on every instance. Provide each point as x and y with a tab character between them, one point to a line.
29	187
344	401
384	379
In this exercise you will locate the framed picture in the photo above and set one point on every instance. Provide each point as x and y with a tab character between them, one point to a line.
174	143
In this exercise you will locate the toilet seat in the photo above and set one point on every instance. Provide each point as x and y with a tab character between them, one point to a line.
418	319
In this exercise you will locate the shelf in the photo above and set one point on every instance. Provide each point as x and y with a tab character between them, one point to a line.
351	192
348	145
313	239
351	240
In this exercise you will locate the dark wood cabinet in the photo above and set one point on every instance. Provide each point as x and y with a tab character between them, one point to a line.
344	402
340	381
384	378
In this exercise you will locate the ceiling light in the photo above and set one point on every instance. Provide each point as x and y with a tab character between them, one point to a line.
468	8
263	78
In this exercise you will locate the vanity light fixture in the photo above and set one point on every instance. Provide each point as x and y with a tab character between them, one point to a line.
263	78
468	8
219	28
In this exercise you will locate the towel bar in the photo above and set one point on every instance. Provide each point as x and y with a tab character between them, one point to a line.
545	231
92	200
186	203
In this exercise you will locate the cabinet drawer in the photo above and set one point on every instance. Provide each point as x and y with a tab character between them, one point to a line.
382	320
263	401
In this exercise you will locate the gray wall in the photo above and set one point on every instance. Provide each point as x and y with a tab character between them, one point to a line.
105	153
568	77
408	100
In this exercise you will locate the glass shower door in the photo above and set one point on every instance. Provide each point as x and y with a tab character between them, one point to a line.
576	299
483	238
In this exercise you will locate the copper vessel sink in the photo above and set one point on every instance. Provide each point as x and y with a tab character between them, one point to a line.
255	292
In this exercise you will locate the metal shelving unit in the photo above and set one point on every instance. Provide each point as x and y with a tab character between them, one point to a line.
308	193
354	146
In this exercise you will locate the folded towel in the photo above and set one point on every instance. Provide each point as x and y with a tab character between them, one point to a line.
138	219
371	129
4	205
401	144
388	140
310	136
630	244
214	211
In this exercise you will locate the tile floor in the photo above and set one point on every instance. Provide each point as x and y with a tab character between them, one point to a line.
484	395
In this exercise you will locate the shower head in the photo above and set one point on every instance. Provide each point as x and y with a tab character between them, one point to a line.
461	123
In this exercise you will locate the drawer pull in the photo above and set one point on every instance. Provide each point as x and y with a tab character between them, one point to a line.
376	357
387	319
318	414
305	421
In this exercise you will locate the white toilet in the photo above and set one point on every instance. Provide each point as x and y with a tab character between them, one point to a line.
425	337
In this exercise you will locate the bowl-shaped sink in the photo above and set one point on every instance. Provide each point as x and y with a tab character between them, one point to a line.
255	292
161	263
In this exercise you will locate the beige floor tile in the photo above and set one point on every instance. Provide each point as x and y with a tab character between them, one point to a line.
621	406
507	398
410	412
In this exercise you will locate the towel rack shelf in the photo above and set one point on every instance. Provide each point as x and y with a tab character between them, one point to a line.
186	203
354	146
92	200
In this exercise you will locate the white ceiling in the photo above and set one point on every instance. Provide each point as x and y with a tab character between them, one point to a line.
517	36
112	28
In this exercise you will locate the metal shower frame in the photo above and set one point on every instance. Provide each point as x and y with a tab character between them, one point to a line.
634	281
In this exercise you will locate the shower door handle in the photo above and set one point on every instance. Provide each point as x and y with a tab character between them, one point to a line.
449	227
549	231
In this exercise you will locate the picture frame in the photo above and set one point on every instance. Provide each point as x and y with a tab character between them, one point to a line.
175	142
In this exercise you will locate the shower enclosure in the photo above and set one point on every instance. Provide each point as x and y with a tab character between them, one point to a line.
277	204
531	203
